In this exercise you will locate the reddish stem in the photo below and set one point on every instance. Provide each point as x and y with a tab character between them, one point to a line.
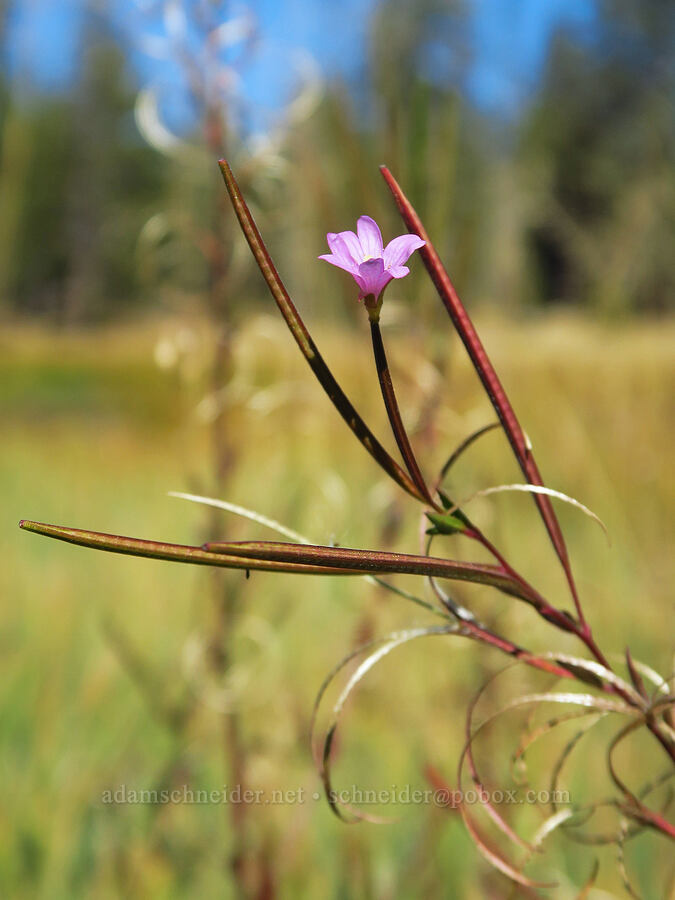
550	613
488	377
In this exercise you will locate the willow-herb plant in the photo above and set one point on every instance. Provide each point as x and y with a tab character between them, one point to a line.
643	699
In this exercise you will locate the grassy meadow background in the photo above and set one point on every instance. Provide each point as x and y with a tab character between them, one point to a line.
98	648
139	354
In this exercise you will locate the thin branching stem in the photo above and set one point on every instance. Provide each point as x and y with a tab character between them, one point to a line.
549	612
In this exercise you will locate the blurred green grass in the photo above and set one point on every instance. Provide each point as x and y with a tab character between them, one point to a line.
95	646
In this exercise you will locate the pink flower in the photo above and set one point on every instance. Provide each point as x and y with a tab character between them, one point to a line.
371	265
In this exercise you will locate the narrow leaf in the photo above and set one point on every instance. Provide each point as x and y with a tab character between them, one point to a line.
466	443
633	806
379	648
536	732
445	524
534	489
549	825
621	860
587	886
245	513
596	674
495	859
635	676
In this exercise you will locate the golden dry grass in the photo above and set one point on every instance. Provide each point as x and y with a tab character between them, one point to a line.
95	646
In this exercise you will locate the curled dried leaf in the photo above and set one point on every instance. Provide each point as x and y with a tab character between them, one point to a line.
466	443
381	647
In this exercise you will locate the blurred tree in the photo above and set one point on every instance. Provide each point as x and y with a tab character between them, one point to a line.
77	183
579	206
114	180
596	156
36	149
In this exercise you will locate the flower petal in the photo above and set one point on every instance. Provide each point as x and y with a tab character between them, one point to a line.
370	238
330	238
346	244
372	277
340	261
363	286
371	268
346	251
400	250
362	255
398	271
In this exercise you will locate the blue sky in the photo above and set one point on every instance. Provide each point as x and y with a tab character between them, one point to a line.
510	40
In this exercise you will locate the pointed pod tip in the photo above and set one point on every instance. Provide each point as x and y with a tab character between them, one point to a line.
29	525
232	548
35	527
